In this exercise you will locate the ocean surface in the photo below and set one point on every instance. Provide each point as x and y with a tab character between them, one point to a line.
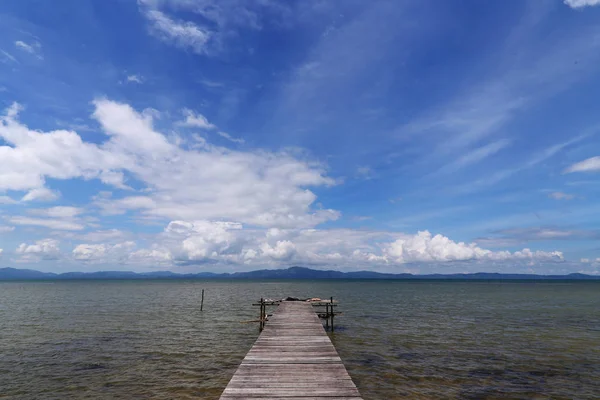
398	339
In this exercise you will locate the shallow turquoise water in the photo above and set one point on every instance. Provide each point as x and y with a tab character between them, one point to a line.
429	340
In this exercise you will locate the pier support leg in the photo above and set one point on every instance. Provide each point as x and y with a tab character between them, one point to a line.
332	314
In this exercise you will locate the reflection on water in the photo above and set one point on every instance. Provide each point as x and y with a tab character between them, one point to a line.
419	340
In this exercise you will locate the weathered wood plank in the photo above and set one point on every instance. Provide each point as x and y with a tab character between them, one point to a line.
292	359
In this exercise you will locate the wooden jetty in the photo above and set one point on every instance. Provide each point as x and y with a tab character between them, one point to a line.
292	359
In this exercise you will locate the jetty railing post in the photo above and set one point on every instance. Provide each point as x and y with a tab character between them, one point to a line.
262	314
202	301
332	314
326	316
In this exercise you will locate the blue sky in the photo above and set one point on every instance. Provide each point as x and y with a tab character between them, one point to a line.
428	136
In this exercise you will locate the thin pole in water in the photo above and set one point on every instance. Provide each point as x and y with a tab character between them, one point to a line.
332	314
202	301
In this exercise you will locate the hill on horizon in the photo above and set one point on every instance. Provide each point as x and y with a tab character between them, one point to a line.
288	273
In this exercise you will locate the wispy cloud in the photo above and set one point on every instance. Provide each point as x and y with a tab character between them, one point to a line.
57	212
183	34
500	175
365	172
561	196
59	224
474	156
529	71
7	200
217	21
590	165
231	138
8	56
6	229
548	233
135	78
33	48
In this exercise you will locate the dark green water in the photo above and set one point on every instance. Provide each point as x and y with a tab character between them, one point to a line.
418	340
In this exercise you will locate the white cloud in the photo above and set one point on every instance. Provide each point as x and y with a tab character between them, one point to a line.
58	224
45	249
7	200
135	78
424	247
203	240
33	48
6	229
255	187
8	56
196	120
231	138
283	250
41	194
561	196
151	256
223	243
182	34
57	212
220	20
365	172
581	3
590	165
475	155
1	251
103	252
108	235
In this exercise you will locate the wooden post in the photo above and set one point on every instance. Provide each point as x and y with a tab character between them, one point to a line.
332	314
261	322
326	316
202	301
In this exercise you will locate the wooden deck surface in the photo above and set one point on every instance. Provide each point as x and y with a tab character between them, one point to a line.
292	358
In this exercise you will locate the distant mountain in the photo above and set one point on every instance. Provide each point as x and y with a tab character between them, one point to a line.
8	274
12	274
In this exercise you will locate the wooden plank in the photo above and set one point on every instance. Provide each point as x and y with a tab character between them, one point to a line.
292	359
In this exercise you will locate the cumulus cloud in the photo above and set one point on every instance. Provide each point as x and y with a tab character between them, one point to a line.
424	247
590	165
283	250
104	253
581	3
45	249
203	241
226	243
256	187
